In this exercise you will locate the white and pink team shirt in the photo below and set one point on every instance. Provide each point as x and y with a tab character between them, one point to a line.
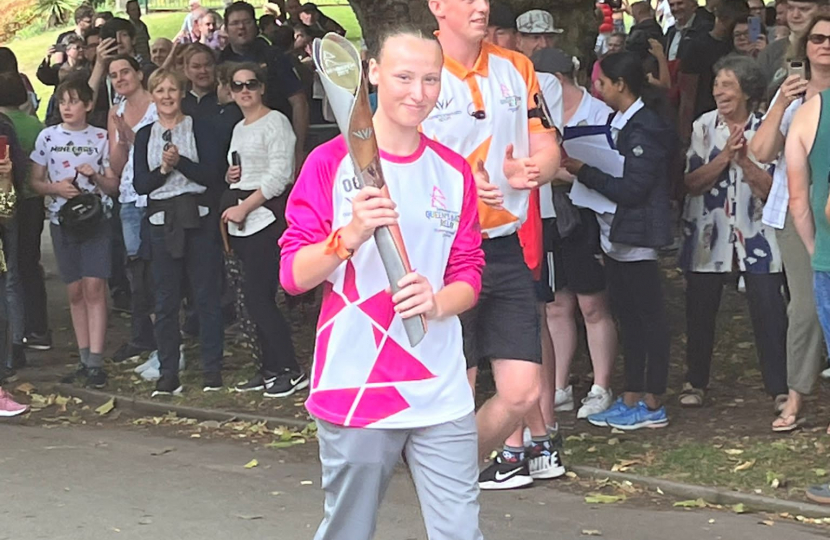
365	373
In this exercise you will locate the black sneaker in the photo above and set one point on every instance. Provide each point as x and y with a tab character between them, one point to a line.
96	377
80	373
38	342
18	356
127	353
503	474
544	462
557	442
256	384
285	384
167	385
213	382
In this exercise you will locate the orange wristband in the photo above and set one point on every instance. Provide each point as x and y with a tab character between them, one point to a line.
334	244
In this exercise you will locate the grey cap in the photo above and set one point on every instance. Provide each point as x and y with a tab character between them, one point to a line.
553	61
537	21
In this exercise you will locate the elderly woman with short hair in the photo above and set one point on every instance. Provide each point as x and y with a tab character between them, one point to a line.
177	165
723	232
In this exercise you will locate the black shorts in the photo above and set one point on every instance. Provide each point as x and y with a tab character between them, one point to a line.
504	324
575	259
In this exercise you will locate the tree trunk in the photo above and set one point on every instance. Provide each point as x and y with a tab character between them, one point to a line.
575	16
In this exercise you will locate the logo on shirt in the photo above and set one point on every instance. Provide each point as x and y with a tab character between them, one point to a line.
508	98
442	110
77	151
447	219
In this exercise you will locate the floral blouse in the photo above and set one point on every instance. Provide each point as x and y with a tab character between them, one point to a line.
722	229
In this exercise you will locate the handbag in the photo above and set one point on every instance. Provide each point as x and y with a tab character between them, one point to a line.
81	214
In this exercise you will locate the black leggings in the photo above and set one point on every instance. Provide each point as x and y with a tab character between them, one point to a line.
260	256
636	294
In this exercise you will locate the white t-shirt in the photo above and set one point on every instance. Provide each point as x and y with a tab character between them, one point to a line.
552	90
61	151
126	189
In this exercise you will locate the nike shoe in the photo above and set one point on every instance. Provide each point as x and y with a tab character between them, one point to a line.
638	417
597	400
563	400
254	384
504	474
544	462
212	381
601	419
285	384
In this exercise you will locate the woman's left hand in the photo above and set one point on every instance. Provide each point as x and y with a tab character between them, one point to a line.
237	214
416	297
170	157
572	165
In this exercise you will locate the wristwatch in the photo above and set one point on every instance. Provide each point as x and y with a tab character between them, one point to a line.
334	244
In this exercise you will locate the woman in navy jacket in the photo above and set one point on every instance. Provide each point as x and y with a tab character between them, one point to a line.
630	239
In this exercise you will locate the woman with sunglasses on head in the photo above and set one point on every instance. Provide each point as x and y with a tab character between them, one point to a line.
631	237
176	163
805	350
124	121
261	172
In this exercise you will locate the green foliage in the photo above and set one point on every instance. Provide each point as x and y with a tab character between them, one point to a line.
57	12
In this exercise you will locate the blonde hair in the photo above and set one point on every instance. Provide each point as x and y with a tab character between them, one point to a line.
163	74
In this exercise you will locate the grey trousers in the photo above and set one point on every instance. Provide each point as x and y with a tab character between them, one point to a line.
358	465
805	341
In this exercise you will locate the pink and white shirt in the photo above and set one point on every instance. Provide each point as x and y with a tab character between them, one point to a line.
365	373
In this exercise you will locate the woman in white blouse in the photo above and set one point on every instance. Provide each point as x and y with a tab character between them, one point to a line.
723	232
261	171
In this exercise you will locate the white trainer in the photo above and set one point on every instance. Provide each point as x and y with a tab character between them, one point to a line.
564	399
597	401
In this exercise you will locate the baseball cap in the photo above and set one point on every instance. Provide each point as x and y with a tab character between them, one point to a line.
537	21
553	61
501	16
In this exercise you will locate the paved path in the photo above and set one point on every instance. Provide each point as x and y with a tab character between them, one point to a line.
91	483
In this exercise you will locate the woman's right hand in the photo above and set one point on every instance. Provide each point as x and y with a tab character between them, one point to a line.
370	209
234	174
792	88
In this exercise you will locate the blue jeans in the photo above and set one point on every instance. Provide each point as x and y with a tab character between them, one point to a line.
131	217
821	288
202	264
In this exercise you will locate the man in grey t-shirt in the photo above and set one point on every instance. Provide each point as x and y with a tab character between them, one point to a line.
773	58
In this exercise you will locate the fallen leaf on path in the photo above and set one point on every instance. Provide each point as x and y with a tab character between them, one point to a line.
695	503
733	452
660	491
285	444
276	493
571	474
744	466
246	517
591	532
306	483
739	508
251	464
767	522
26	388
145	521
106	407
599	498
163	451
613	441
820	472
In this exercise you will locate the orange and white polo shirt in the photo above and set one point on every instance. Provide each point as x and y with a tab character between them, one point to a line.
480	112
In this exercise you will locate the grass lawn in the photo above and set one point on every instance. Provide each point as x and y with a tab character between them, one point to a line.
30	51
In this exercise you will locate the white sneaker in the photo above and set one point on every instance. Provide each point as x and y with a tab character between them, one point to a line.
151	374
597	401
825	374
564	399
182	358
152	362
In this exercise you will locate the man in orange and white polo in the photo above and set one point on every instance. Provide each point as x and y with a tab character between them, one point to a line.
488	112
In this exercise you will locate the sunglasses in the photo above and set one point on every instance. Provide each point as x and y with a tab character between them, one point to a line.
253	85
167	137
818	39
